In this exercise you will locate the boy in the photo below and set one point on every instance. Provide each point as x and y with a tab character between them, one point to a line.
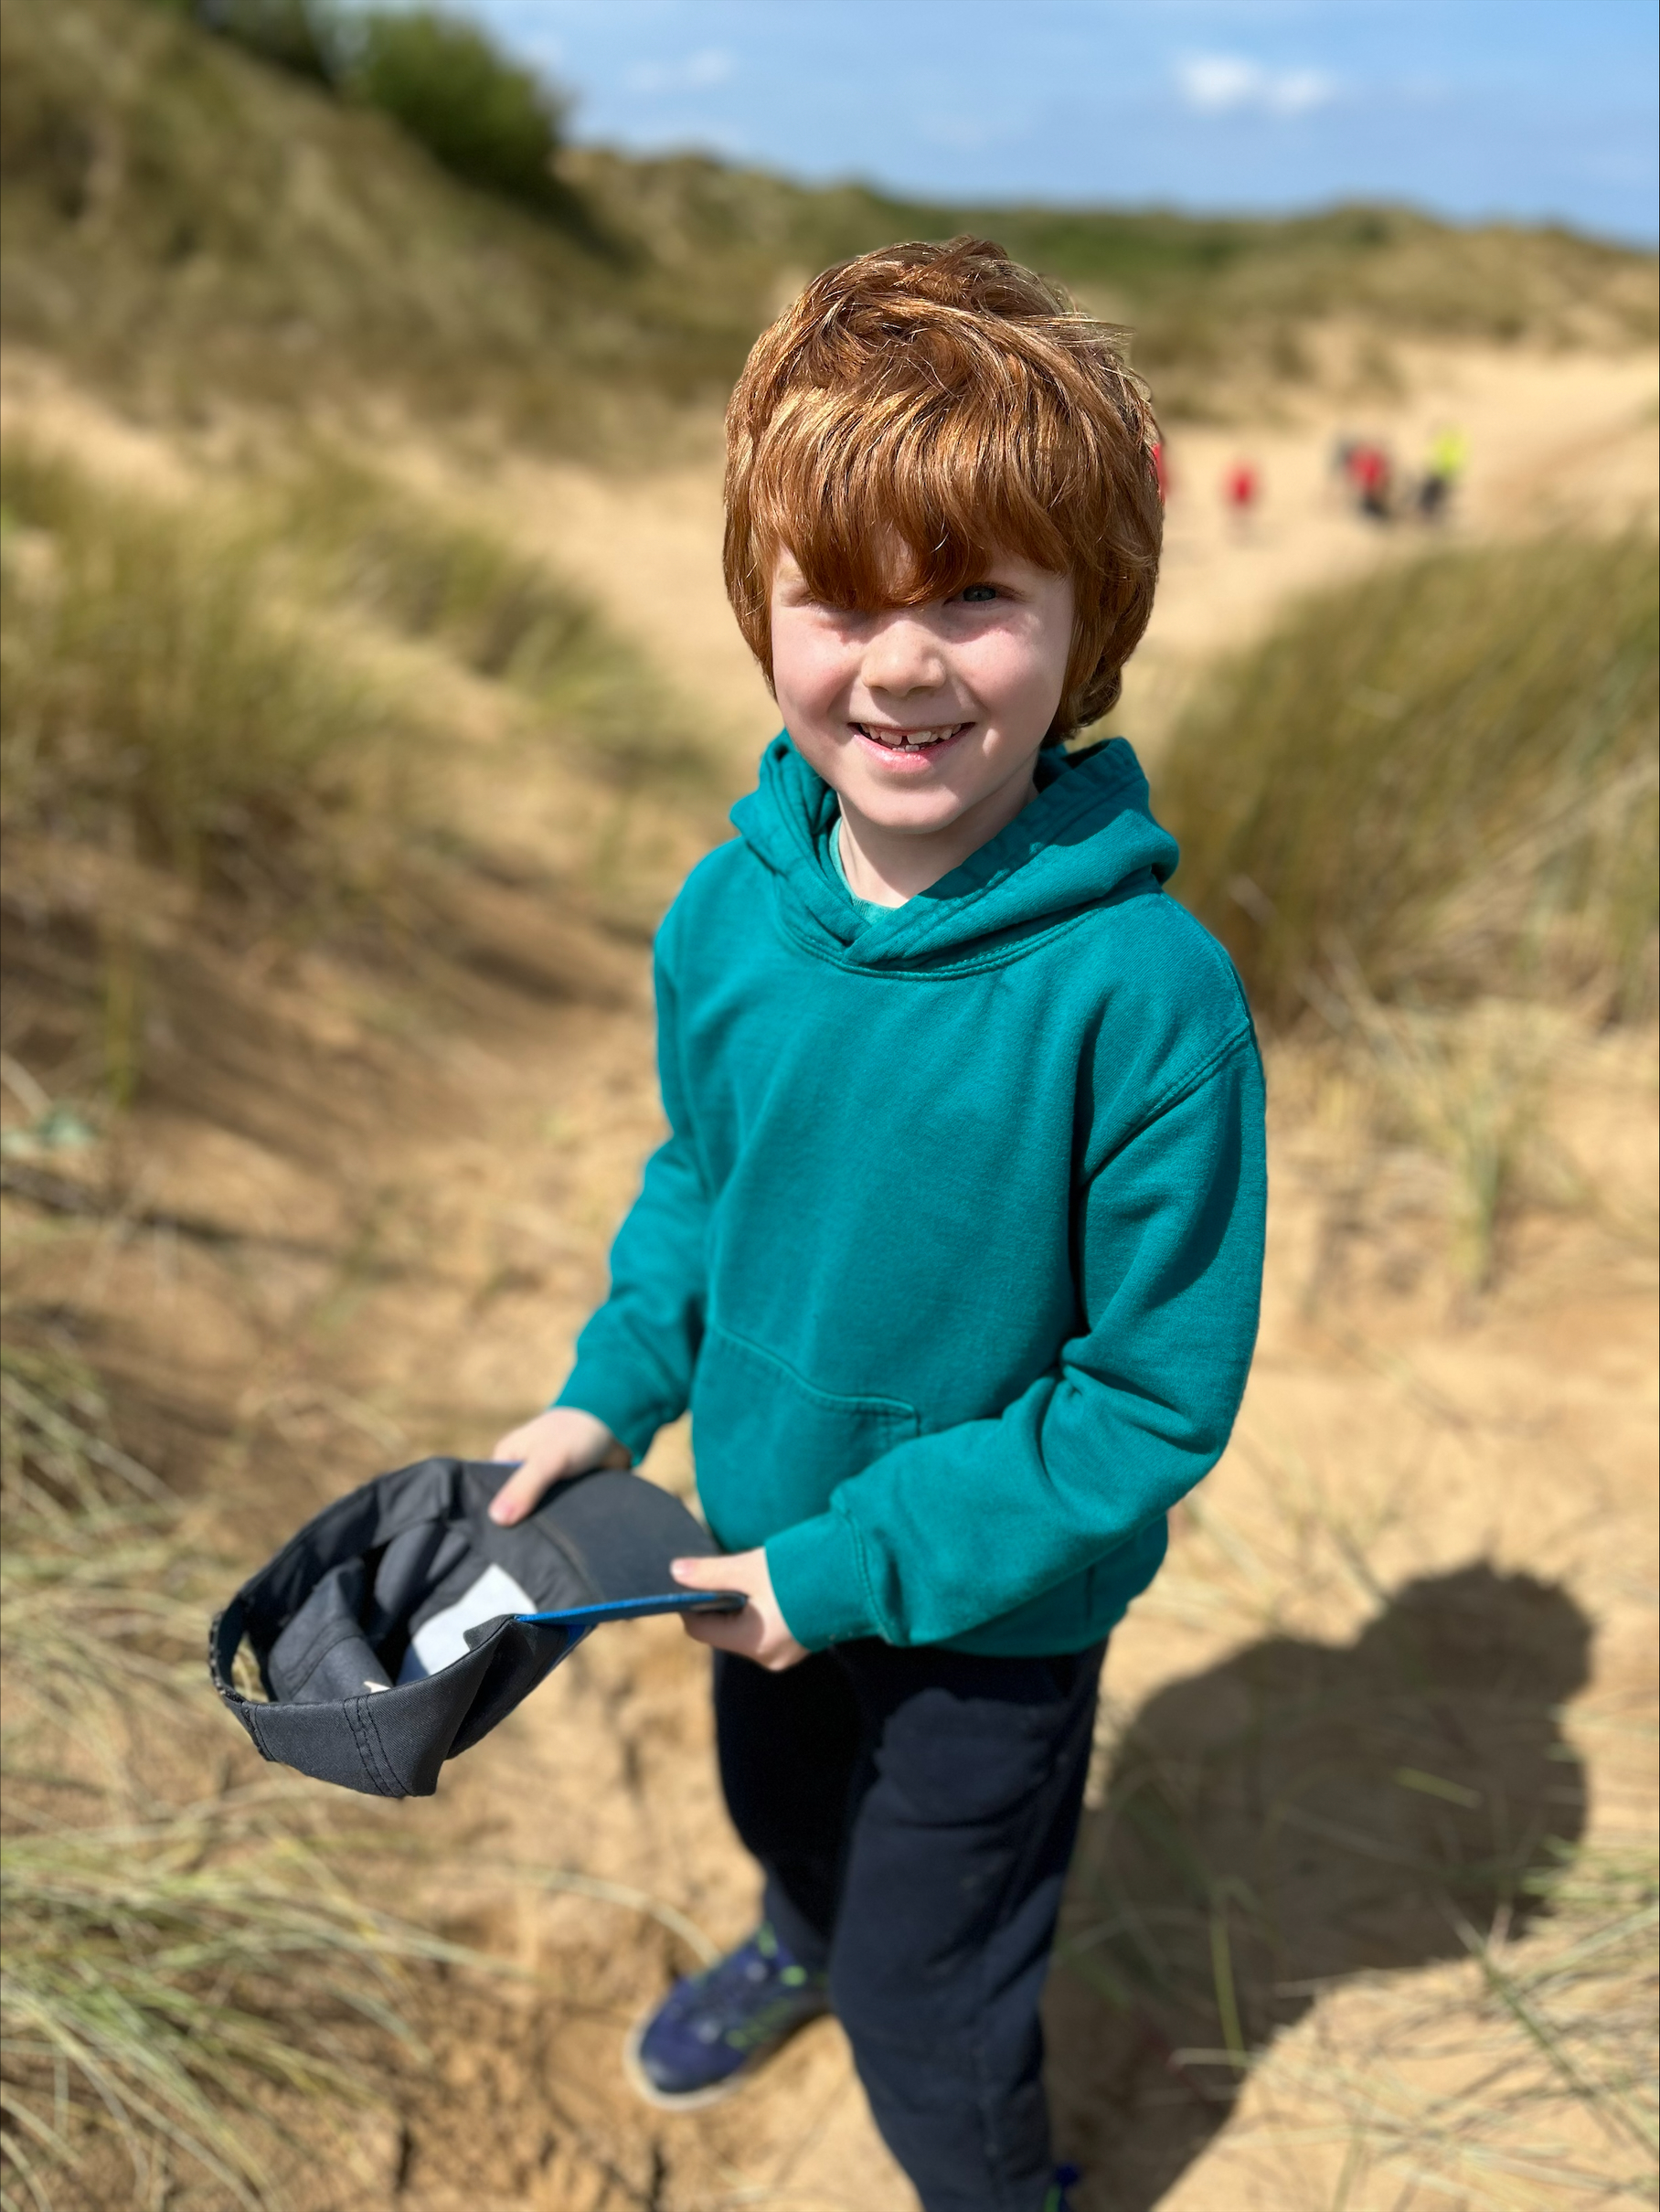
955	1249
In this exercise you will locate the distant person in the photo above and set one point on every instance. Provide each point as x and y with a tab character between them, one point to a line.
1449	455
1241	487
955	1247
1372	474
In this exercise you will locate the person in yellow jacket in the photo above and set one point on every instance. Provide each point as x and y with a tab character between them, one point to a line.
1448	457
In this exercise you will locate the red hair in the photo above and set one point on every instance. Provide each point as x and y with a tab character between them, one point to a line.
945	399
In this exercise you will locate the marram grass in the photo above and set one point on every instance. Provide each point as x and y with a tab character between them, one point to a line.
1441	779
194	1985
410	566
168	1965
154	703
179	685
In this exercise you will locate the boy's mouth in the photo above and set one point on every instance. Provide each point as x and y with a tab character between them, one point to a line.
922	740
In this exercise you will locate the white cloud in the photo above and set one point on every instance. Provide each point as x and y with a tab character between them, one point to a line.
1228	84
693	73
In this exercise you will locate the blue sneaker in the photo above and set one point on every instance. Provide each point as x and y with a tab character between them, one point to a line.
713	2029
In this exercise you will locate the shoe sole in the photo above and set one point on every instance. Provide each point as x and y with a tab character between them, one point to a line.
694	2100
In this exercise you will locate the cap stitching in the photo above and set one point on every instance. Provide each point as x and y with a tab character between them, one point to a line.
248	1714
370	1749
366	1707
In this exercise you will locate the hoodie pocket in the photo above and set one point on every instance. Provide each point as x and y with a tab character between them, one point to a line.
770	1447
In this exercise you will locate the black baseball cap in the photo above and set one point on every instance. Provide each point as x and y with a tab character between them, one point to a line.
401	1624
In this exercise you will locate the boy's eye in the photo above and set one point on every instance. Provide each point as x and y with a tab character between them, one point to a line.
976	595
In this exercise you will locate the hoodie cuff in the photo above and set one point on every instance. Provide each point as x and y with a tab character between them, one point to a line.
612	1394
818	1579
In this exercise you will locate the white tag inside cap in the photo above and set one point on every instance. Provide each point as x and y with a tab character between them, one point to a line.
439	1641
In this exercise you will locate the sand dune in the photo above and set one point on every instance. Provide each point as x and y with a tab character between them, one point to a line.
1396	1430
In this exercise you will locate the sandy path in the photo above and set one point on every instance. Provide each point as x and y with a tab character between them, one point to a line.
1391	1431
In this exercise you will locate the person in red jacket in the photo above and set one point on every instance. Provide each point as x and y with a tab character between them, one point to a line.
1241	488
1372	476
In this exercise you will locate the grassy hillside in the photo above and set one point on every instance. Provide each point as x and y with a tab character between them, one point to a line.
1212	302
184	220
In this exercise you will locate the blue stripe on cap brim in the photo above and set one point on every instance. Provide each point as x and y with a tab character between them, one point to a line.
635	1609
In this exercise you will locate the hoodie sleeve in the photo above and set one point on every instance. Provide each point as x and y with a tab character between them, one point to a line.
951	1530
634	1359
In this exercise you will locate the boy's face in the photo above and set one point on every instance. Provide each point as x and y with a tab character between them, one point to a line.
916	716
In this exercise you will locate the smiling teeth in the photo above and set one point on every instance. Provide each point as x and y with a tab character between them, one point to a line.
908	741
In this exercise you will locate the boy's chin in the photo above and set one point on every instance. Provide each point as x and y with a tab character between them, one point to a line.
916	811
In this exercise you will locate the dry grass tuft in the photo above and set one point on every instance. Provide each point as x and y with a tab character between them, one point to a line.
1471	1088
1441	780
170	1958
418	570
156	704
210	723
1525	2083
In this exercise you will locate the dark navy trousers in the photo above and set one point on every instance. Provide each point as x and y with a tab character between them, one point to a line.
914	1812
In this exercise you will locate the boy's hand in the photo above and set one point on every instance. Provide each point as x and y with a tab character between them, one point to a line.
563	1441
760	1632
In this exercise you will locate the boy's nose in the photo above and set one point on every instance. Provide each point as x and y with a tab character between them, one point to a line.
902	656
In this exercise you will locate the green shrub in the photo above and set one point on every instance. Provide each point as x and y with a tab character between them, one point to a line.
446	83
440	78
295	35
1442	778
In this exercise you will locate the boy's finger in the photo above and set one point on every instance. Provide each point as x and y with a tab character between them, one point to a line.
519	1493
723	1631
702	1574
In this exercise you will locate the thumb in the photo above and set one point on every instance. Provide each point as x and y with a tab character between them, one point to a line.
520	1492
702	1574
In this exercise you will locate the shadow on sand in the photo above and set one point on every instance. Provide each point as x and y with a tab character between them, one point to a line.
1301	1814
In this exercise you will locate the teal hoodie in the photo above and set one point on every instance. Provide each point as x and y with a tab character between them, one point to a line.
954	1250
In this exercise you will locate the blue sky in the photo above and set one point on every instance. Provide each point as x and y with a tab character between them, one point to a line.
1525	109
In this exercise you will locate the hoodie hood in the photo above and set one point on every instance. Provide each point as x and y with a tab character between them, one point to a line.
1086	839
